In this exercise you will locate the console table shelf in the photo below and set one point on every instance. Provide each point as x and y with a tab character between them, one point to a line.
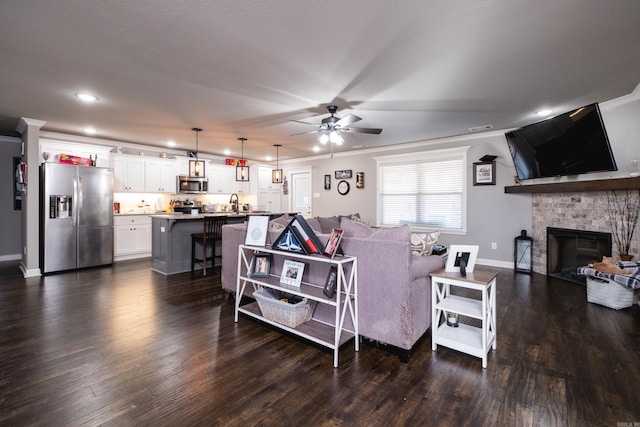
344	304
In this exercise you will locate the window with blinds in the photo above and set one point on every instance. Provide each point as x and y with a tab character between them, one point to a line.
425	190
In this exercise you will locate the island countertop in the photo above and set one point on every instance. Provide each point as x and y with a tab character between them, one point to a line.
171	237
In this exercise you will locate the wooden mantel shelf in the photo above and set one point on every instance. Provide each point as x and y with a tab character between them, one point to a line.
577	186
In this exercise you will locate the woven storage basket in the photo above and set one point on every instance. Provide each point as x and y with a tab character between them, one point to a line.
291	315
609	293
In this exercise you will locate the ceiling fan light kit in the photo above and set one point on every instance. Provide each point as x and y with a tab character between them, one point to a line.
276	174
242	172
332	127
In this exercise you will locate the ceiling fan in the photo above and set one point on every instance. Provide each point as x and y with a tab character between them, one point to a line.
331	127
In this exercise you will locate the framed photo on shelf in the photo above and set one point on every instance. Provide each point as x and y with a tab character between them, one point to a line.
484	173
292	273
327	182
260	264
331	283
347	173
257	230
333	243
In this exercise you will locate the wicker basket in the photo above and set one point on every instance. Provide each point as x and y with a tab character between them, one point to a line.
291	315
608	293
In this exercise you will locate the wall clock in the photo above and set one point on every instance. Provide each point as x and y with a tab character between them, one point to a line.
343	187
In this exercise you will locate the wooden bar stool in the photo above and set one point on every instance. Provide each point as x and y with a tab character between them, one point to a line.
212	233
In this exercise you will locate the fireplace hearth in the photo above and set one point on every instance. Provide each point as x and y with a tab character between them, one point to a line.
569	249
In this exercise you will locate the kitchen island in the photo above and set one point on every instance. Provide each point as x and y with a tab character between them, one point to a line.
171	238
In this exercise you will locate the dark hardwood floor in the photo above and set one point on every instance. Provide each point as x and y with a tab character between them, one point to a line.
126	346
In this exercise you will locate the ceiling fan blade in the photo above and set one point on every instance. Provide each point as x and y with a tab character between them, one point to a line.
347	120
362	130
304	133
305	123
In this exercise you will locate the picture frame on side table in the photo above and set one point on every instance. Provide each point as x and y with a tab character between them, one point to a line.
484	173
331	283
257	230
458	253
331	248
292	273
260	265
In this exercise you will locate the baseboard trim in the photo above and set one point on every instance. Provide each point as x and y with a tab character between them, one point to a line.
494	263
11	257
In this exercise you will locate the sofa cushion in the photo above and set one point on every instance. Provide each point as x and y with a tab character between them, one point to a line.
279	223
401	234
422	243
351	228
315	225
327	223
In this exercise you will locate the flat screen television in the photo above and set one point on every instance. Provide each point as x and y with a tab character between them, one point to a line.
569	144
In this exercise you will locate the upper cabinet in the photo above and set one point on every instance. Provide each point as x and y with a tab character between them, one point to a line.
222	180
129	174
160	175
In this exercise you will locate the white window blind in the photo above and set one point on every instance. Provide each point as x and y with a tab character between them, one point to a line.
425	191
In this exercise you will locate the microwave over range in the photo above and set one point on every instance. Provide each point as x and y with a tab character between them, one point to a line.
192	185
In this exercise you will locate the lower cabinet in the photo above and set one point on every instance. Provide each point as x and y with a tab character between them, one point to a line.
131	237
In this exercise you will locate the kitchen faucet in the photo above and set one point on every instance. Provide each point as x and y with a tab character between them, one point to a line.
234	203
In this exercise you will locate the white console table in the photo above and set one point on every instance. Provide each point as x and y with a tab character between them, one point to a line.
476	341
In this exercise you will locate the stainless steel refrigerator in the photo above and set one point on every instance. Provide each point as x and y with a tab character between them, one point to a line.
76	217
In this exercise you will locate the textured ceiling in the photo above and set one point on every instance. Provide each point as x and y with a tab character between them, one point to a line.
242	68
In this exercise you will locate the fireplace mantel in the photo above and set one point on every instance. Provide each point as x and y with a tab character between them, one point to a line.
577	186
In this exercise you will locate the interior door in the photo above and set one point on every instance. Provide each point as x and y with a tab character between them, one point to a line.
300	193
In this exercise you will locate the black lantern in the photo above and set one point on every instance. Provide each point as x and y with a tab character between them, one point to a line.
522	254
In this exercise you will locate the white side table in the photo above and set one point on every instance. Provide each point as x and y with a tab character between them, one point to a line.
472	340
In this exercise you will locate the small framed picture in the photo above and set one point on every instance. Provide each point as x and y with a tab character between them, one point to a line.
331	282
359	179
292	273
257	228
484	173
333	243
260	264
343	174
327	182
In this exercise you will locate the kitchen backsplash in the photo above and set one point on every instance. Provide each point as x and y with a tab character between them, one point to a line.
137	203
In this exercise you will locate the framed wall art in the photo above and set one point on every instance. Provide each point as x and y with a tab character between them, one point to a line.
484	173
343	174
359	179
327	182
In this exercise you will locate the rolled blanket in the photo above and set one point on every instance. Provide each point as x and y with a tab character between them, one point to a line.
632	280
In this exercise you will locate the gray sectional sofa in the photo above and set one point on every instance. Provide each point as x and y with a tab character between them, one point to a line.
394	287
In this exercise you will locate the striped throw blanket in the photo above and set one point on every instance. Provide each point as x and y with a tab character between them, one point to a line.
631	280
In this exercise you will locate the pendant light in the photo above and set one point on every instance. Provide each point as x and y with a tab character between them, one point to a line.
276	174
196	167
242	172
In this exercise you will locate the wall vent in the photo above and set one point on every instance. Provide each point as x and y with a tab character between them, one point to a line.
477	128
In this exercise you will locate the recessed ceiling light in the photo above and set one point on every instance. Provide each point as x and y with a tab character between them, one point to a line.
316	148
543	113
90	131
171	143
268	158
87	97
227	152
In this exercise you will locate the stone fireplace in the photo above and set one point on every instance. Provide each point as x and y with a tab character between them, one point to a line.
580	211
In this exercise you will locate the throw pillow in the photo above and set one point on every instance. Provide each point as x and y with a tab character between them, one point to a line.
422	243
327	223
351	228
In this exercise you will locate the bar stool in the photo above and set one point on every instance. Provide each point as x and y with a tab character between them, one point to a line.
212	233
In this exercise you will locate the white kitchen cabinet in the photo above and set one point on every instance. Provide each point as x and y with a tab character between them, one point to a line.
160	176
129	175
269	194
222	180
131	237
